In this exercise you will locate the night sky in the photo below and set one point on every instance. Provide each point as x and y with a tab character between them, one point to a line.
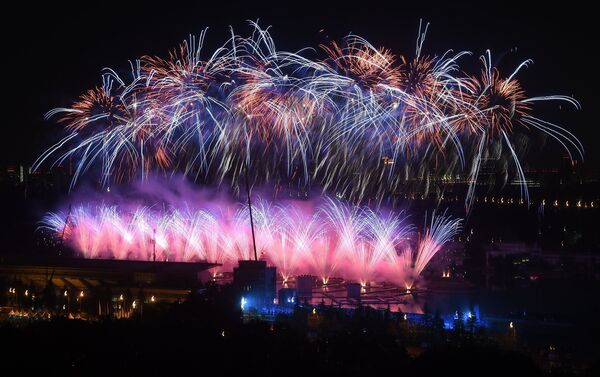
53	53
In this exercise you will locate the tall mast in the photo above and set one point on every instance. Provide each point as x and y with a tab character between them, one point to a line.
250	209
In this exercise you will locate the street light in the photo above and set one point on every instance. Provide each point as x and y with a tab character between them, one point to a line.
13	295
66	294
80	299
122	305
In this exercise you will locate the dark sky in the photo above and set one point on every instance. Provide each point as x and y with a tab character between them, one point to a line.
55	52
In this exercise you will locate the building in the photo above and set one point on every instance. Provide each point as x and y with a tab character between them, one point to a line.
255	284
95	287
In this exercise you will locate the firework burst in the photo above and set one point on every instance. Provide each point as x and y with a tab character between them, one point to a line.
359	122
331	240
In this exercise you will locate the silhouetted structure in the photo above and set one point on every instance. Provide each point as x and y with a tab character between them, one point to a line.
255	284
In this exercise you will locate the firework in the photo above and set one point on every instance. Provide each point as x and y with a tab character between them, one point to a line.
330	240
359	121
